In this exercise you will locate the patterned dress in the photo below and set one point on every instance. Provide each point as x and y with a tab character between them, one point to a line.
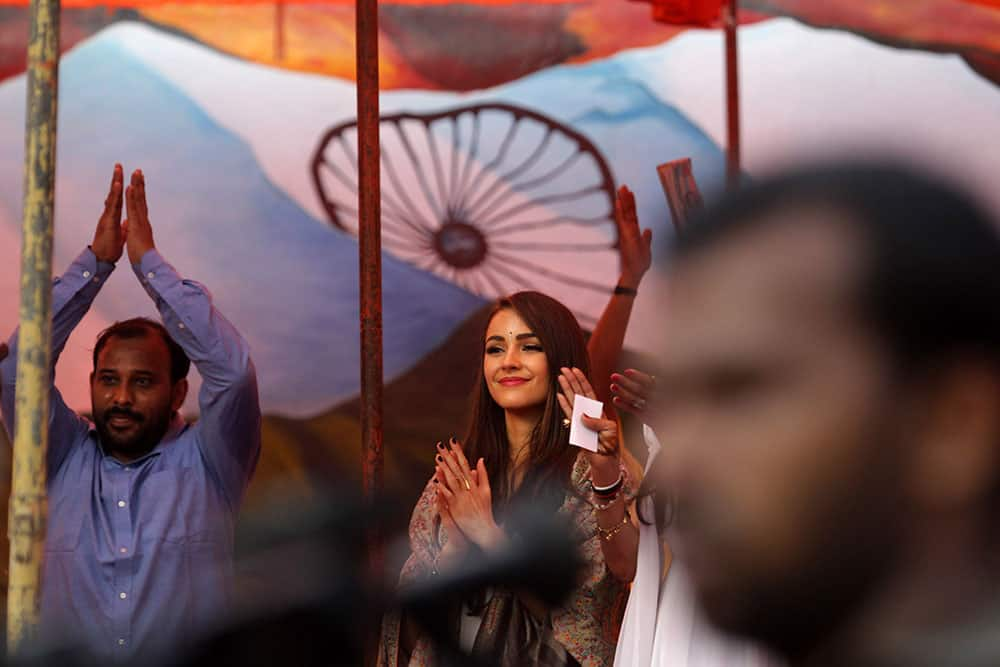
584	631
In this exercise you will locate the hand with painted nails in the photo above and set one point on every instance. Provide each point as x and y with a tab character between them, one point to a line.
455	543
109	237
465	493
605	463
632	391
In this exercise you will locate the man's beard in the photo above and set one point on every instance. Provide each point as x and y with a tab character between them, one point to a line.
142	438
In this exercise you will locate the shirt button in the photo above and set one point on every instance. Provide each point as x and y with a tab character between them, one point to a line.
123	595
121	642
121	503
86	274
150	275
122	550
181	325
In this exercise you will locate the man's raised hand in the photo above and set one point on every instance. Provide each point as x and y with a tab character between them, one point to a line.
109	238
139	233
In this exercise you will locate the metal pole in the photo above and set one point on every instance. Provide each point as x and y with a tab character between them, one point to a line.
279	30
28	509
370	286
370	253
731	21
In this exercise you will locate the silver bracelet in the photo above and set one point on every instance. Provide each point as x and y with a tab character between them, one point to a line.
610	487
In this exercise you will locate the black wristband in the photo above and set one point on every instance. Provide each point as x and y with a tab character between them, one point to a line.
627	291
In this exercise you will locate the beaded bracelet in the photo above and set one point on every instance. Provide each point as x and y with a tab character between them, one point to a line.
600	507
607	534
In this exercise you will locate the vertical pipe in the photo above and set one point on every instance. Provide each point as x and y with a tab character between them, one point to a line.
26	527
731	21
279	30
370	286
370	254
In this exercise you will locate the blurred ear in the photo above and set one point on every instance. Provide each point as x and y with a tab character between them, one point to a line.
956	457
178	394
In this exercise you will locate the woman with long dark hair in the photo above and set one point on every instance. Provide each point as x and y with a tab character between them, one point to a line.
535	362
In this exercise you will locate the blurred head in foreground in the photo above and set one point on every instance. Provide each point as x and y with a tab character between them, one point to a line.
831	416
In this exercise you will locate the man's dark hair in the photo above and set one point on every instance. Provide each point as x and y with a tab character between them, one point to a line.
140	327
930	286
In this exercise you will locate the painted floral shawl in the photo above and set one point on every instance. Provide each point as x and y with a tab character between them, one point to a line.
582	632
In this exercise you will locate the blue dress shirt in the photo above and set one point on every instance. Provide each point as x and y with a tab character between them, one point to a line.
139	555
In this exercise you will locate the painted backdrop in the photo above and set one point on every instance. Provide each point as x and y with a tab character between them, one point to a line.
507	127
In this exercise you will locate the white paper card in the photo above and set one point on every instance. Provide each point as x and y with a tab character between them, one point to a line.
580	435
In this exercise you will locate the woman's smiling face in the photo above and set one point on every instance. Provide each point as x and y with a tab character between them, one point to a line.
515	367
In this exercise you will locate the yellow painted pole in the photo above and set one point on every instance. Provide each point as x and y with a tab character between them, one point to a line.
26	526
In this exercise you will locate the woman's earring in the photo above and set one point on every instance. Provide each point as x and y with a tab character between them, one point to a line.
565	423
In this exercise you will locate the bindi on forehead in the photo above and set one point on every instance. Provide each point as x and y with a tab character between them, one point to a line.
508	326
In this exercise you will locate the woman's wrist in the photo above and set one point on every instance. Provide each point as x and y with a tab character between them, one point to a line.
629	280
491	538
605	472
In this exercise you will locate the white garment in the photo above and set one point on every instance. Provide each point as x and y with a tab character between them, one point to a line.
663	626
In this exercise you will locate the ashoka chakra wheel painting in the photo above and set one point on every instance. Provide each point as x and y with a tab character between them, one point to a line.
492	197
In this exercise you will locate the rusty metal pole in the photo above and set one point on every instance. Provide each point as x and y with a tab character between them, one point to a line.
731	23
370	246
370	283
279	30
26	524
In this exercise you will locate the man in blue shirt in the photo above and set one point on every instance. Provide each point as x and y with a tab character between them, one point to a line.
142	506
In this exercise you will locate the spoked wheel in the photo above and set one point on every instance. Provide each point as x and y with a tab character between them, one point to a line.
493	197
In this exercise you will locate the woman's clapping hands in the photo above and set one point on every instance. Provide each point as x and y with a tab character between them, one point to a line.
464	497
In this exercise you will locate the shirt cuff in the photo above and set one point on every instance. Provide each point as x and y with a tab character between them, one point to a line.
87	272
155	274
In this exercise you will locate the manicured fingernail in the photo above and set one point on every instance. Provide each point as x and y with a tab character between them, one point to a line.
438	458
440	446
435	480
614	387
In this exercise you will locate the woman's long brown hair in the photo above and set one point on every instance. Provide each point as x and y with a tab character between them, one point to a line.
550	458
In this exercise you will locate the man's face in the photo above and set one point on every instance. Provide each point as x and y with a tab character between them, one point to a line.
132	396
779	429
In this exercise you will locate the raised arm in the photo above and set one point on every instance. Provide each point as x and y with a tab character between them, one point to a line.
605	345
229	426
72	296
